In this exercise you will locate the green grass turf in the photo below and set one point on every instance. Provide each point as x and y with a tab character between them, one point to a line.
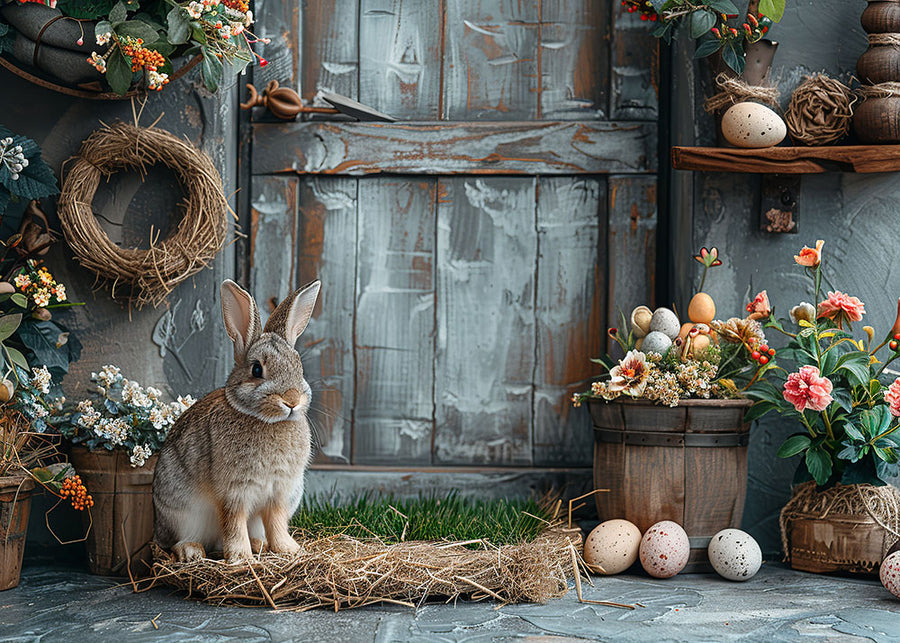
447	517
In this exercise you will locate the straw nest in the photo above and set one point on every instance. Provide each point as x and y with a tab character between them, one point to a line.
152	273
820	111
341	572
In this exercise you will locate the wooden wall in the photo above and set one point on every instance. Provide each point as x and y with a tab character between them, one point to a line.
466	253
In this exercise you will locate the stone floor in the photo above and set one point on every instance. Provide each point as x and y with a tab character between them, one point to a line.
58	604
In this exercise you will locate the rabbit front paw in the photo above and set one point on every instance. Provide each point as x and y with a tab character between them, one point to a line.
188	551
238	554
284	545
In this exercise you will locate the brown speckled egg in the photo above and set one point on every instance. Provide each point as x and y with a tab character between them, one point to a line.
665	549
612	547
890	573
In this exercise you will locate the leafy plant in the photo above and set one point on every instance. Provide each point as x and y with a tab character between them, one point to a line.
713	24
835	389
23	174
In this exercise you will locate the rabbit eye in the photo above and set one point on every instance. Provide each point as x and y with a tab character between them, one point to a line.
256	370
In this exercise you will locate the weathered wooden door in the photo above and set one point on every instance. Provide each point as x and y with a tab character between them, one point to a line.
466	250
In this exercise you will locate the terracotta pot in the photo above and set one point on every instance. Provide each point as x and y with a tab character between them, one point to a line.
879	64
687	464
877	120
15	506
122	513
881	17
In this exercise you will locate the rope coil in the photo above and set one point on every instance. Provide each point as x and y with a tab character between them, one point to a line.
734	90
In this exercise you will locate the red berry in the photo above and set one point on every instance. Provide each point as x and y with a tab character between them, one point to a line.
755	355
763	359
897	337
263	62
643	16
763	349
771	351
893	345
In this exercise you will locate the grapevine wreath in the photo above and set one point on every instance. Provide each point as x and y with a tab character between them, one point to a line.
154	272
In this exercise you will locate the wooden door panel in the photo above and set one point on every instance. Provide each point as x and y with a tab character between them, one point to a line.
329	48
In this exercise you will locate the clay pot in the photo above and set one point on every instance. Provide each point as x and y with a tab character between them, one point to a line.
15	505
881	17
879	64
877	120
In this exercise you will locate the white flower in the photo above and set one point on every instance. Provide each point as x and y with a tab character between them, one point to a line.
107	377
13	157
103	38
629	376
181	405
140	454
195	9
804	311
113	429
248	19
154	393
40	379
159	417
156	80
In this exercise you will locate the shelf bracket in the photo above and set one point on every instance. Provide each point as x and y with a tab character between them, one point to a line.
778	202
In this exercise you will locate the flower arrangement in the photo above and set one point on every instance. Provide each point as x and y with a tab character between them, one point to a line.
666	361
712	23
122	415
138	39
835	387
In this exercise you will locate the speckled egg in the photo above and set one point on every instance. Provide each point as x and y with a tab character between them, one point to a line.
734	554
665	549
890	573
752	125
656	342
702	309
666	322
612	547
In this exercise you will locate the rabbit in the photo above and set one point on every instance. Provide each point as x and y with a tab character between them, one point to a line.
231	469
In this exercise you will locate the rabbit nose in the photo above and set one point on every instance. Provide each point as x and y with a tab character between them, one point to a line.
292	397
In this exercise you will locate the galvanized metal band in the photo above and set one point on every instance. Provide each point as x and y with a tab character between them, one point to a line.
663	439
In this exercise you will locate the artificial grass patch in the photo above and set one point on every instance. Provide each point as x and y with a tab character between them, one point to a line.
447	517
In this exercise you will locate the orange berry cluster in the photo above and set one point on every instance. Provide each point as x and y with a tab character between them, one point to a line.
75	491
141	57
763	354
237	5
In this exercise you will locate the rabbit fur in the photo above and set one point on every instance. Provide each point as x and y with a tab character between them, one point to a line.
231	469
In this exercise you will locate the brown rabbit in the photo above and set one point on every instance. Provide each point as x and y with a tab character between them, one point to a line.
232	467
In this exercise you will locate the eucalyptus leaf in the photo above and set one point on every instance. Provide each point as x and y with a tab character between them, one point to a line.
179	26
211	70
9	324
137	29
17	357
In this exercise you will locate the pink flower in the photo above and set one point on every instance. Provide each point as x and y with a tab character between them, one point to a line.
841	307
892	397
810	257
806	390
759	308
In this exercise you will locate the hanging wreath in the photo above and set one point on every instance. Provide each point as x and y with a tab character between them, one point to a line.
152	273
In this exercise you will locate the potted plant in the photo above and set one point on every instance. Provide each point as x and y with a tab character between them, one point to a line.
115	435
121	46
670	438
839	392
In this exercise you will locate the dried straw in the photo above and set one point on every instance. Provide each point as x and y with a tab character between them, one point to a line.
734	90
821	111
881	90
884	39
340	572
152	273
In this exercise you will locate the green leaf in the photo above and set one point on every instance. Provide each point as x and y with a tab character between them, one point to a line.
118	72
701	22
179	26
19	300
758	410
137	29
17	358
853	433
856	365
9	324
794	445
41	338
707	48
211	70
819	465
118	13
887	454
724	6
843	399
773	9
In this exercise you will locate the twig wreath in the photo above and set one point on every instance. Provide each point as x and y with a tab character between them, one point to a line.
200	234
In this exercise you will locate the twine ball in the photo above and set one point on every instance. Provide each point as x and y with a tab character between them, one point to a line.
200	234
820	111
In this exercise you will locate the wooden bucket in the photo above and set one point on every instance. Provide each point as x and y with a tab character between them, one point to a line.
122	514
687	464
15	506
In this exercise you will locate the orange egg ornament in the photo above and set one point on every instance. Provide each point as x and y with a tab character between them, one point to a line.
702	309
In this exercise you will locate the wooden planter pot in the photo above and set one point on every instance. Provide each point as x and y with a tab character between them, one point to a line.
15	506
687	464
122	514
824	535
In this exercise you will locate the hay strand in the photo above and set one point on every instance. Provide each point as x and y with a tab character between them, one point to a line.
820	111
200	234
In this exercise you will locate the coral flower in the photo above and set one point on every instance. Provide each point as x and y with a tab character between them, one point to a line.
629	376
759	308
840	307
806	390
810	257
892	397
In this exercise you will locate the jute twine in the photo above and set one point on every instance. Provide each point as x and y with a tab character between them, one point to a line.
734	90
820	111
881	90
884	39
881	504
152	273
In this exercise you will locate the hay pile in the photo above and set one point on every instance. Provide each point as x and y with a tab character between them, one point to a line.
341	572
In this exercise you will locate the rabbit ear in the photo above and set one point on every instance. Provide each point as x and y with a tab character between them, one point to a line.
292	315
241	317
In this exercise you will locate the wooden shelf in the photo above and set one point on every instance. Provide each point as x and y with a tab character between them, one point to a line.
789	160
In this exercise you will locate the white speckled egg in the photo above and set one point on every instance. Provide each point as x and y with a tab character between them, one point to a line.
890	573
656	342
612	546
665	549
666	322
734	554
752	125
